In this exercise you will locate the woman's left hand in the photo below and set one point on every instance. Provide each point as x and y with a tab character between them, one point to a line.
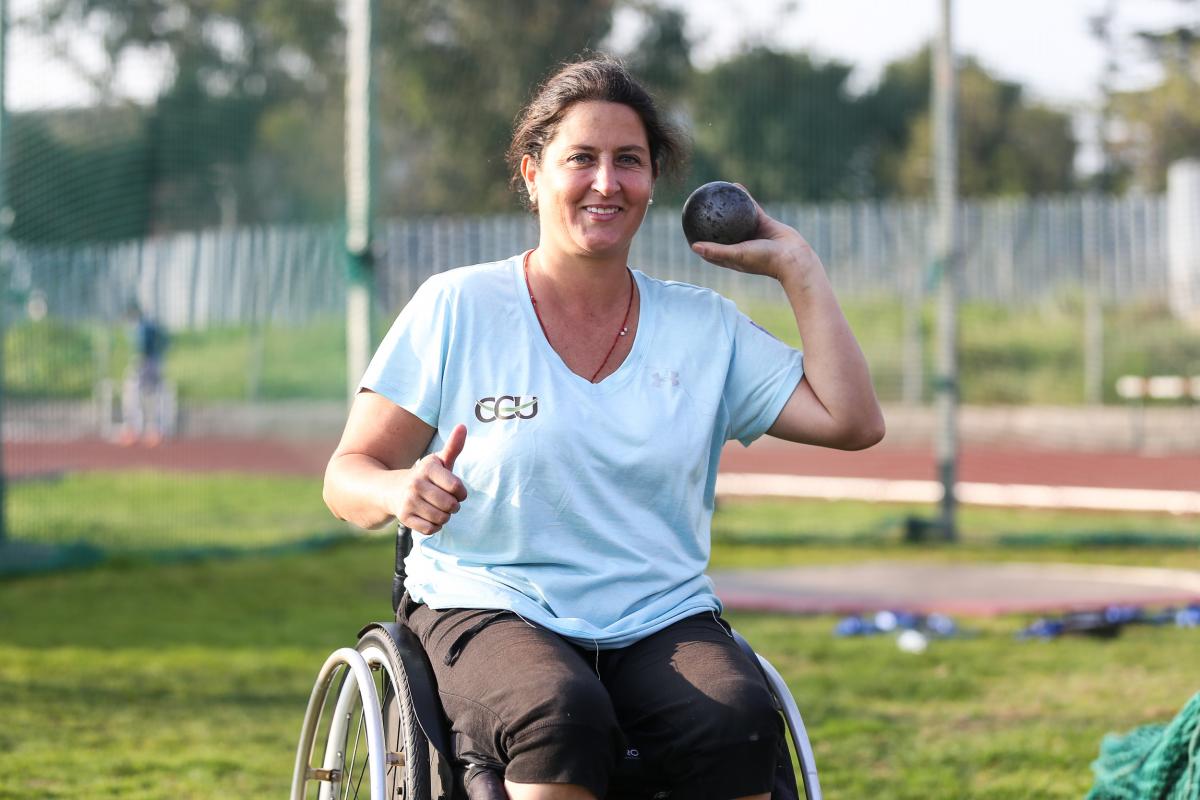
777	251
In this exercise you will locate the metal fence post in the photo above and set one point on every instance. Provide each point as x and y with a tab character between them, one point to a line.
5	215
946	192
359	183
1093	308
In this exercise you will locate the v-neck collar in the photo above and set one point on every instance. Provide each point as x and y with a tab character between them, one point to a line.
628	367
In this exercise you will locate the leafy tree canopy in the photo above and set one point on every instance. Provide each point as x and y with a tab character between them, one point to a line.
1160	124
1006	145
249	125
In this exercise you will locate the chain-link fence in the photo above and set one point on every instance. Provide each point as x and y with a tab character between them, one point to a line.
213	214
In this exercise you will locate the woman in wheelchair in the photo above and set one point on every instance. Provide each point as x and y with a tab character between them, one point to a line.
550	426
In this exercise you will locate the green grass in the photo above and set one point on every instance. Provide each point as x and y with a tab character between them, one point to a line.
52	359
985	717
1016	356
147	512
132	512
47	359
1007	356
996	530
275	363
188	680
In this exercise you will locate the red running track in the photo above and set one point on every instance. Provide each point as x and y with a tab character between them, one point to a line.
977	464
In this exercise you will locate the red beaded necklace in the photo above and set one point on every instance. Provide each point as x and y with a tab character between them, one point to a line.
624	329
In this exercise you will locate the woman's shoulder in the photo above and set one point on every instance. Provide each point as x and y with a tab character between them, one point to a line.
477	280
681	296
472	278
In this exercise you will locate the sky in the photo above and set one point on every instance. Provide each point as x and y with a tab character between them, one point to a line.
1044	44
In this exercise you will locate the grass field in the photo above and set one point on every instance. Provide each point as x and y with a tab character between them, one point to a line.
188	680
1030	355
1012	356
155	512
147	512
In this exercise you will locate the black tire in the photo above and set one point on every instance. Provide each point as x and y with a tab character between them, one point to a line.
402	733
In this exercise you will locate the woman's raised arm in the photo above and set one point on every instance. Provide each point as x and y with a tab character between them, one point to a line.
834	405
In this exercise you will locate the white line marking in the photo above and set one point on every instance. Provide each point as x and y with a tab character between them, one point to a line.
1018	495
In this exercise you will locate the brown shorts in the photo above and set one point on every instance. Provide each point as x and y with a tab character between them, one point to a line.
686	703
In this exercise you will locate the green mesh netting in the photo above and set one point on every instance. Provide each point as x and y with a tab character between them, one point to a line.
1153	762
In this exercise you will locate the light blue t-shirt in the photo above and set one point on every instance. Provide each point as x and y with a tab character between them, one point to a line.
588	505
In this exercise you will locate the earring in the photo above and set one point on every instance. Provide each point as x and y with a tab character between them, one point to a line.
650	202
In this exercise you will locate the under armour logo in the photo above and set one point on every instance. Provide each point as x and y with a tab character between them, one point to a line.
665	378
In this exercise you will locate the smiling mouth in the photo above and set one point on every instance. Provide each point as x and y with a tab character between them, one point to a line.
606	211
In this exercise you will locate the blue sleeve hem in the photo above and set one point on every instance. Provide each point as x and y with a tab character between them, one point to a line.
426	414
773	409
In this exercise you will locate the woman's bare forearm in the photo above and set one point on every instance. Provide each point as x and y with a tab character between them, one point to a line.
359	489
834	364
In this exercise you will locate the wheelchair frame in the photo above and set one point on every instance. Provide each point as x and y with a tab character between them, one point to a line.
386	700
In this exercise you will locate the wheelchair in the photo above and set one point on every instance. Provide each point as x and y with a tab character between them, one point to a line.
374	726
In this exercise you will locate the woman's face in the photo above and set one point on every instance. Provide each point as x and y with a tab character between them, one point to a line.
594	180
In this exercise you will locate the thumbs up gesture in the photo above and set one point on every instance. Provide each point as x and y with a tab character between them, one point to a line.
434	492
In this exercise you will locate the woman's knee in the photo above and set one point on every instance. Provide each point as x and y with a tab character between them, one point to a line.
562	699
569	735
734	750
745	713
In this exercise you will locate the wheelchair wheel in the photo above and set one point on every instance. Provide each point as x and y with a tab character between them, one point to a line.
373	746
801	746
407	776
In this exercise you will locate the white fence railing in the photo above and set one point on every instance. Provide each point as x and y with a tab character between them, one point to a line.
1014	252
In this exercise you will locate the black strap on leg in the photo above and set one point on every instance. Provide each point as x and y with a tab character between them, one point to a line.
404	544
484	783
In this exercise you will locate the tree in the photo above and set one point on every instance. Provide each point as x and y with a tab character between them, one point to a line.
1161	124
1006	145
78	175
662	55
250	126
234	64
899	99
454	73
782	124
230	47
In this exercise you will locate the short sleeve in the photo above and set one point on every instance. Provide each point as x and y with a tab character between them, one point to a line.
409	364
763	373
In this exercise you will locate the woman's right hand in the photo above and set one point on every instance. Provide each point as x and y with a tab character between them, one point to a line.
429	493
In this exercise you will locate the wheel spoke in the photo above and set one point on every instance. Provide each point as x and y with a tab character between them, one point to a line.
358	734
358	781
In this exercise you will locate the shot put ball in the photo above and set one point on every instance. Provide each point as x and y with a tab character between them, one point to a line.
719	212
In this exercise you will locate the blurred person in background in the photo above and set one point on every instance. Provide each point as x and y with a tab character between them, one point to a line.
550	425
143	398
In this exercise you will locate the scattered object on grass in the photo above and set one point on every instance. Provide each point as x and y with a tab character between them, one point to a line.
1188	617
912	641
1153	762
854	626
930	625
1108	623
1088	623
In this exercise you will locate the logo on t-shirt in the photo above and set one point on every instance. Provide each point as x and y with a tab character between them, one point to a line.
506	406
665	377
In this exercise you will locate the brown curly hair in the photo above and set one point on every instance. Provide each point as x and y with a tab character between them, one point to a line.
598	77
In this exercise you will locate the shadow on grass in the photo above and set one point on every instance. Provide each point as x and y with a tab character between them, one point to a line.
22	559
1098	539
